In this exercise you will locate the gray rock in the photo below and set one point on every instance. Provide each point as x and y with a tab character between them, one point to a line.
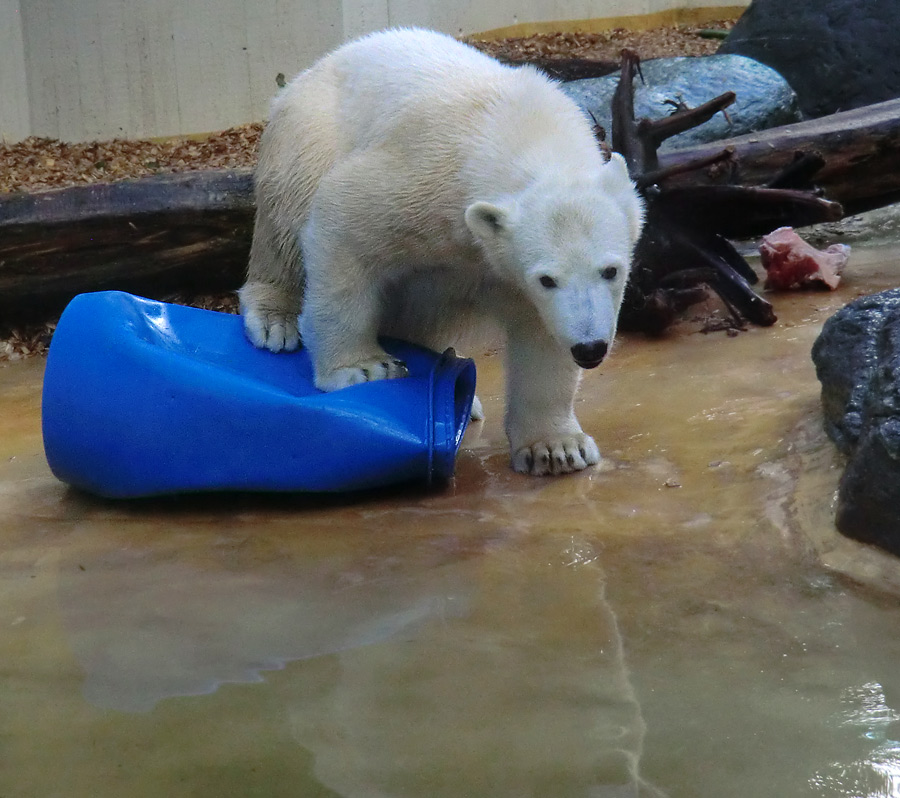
836	54
857	358
764	99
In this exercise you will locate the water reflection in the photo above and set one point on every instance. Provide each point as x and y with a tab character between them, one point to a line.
867	709
528	694
877	775
145	628
491	665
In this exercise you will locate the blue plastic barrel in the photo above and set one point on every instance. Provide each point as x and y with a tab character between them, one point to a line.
144	398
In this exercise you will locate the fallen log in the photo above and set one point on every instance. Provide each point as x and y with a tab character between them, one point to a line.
860	150
191	231
567	69
155	235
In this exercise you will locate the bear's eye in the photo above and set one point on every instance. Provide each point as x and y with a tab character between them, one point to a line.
609	273
547	281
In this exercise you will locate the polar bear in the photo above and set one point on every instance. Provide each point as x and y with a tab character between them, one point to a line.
409	185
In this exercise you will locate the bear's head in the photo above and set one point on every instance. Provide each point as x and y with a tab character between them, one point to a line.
567	244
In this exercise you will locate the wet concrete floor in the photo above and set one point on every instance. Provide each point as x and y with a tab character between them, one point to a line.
681	620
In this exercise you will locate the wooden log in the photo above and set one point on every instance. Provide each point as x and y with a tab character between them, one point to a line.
567	69
861	150
154	235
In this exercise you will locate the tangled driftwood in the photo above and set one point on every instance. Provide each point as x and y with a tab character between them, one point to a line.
685	244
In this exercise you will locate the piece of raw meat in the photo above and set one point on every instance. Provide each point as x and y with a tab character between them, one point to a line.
791	263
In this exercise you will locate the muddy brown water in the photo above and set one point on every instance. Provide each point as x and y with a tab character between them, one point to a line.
681	620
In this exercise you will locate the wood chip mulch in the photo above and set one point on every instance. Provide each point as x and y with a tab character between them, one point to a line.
38	164
665	42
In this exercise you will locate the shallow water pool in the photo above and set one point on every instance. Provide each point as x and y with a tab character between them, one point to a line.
680	621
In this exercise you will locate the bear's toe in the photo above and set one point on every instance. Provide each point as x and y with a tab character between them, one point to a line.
557	457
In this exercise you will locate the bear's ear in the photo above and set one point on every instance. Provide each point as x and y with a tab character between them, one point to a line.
615	173
635	213
487	221
618	181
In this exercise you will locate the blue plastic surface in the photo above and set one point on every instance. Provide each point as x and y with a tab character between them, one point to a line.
144	398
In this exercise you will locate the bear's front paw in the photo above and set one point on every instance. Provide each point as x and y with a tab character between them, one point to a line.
270	316
271	330
386	368
561	456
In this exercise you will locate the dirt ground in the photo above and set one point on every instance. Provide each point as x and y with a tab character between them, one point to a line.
38	164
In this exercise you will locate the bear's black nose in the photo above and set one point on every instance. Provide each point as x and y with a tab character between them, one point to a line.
590	354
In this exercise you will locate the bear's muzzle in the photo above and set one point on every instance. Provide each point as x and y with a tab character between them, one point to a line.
591	354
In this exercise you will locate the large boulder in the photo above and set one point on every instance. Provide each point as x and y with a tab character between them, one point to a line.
857	358
836	54
764	98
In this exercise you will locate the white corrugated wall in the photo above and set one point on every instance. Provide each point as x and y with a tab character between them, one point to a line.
96	69
15	120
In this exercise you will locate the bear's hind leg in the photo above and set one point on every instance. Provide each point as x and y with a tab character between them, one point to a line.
544	434
272	296
341	316
340	331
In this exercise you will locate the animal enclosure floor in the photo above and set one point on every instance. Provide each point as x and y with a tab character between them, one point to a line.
679	617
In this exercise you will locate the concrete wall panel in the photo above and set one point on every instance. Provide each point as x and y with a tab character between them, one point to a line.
15	122
94	69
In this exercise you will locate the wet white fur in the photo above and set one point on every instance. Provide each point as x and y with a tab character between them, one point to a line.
409	185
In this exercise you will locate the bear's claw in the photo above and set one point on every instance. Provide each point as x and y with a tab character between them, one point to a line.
387	368
557	457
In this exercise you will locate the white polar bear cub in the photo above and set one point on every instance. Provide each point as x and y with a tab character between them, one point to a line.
408	185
